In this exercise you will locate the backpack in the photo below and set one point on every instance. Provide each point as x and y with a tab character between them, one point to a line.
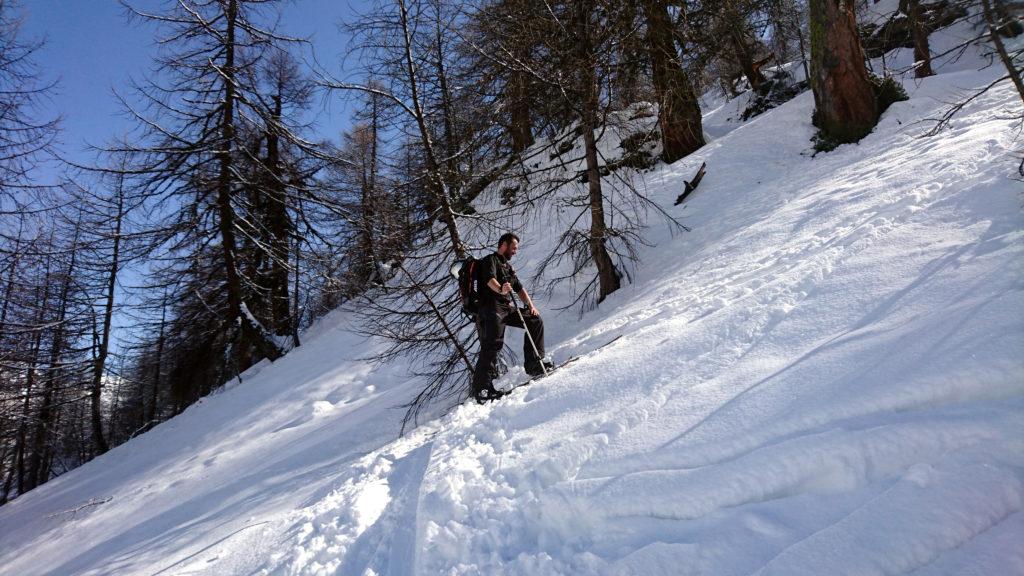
465	272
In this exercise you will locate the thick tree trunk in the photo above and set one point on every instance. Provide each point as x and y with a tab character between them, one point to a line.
678	110
737	38
845	106
608	276
922	53
745	58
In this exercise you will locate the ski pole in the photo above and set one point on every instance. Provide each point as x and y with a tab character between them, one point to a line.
529	337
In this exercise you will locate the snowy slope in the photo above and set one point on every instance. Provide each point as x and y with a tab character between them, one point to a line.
824	377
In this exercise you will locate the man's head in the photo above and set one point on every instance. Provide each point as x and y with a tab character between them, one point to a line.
508	244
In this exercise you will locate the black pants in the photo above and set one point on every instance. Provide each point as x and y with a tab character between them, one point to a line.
490	325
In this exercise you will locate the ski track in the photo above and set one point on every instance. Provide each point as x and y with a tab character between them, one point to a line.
823	377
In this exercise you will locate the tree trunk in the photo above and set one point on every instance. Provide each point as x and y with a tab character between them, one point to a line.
238	312
517	95
678	110
99	366
922	53
608	276
777	13
278	225
803	51
8	292
296	311
21	451
737	34
155	393
994	28
366	143
12	274
451	166
845	106
437	185
745	59
37	472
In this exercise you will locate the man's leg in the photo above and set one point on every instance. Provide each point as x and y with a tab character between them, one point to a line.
535	326
491	331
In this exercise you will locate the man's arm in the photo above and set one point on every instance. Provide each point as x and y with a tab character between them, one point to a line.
528	302
500	289
489	270
506	288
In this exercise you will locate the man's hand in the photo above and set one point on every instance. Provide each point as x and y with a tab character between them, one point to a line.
534	311
506	288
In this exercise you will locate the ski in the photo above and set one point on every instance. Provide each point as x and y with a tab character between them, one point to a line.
559	366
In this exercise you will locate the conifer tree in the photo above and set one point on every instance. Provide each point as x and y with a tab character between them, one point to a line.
845	105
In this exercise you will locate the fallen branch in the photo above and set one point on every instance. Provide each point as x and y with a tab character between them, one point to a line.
691	185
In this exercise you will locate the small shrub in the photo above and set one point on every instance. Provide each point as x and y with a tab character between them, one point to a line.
887	92
823	143
776	91
563	147
640	142
508	195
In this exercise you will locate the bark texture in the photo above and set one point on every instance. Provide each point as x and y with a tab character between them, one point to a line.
922	52
678	112
845	105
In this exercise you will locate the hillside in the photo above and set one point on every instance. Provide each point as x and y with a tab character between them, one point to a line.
823	377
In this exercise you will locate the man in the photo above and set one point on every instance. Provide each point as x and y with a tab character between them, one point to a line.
495	281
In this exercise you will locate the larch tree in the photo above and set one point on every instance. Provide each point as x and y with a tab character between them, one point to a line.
919	34
404	63
846	109
24	137
587	89
679	114
216	94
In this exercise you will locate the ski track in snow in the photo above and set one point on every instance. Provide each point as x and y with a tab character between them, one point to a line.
823	377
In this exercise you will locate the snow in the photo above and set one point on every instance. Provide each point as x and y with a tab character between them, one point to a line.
823	377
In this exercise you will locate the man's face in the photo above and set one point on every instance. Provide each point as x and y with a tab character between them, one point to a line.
510	249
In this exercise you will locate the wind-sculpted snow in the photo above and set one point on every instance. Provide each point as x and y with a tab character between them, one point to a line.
824	376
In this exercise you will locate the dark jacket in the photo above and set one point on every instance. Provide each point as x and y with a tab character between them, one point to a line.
495	266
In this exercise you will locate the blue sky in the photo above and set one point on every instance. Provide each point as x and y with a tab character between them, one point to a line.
92	49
